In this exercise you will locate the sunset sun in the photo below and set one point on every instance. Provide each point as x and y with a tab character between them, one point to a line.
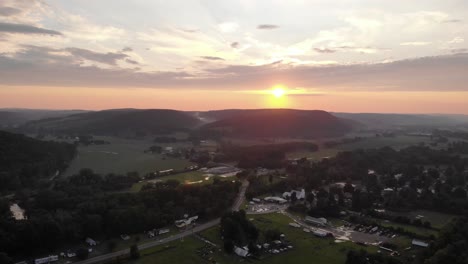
278	92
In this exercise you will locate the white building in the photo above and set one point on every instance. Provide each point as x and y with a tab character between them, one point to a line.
90	242
48	259
419	243
275	200
185	222
316	221
241	252
320	233
299	194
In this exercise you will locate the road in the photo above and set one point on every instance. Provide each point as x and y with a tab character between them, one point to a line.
237	204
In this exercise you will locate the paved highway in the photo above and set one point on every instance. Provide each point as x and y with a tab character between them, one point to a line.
237	203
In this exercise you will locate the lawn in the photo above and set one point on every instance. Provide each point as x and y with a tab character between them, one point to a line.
192	177
411	228
437	220
307	248
180	252
122	156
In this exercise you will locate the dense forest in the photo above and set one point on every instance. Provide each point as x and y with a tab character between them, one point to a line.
25	162
88	204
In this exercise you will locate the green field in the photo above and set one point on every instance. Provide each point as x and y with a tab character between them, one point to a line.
122	156
307	248
437	220
396	142
192	177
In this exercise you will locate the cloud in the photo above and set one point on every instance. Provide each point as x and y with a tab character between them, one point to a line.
324	50
235	45
212	58
25	29
9	11
456	40
127	49
132	62
415	43
463	50
267	26
109	58
62	67
452	21
228	27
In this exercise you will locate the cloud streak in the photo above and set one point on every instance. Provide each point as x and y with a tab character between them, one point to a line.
25	29
9	11
267	26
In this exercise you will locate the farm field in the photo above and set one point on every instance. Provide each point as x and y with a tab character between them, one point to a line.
396	142
122	156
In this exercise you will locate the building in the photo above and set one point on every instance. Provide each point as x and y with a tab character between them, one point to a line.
300	195
419	243
185	222
90	242
316	221
241	252
275	200
48	259
319	233
163	231
294	225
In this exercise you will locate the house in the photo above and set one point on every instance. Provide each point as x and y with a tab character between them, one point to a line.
316	221
90	242
275	200
419	243
241	252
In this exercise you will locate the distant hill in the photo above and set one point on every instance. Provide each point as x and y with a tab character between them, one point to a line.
12	117
24	161
279	123
372	120
117	122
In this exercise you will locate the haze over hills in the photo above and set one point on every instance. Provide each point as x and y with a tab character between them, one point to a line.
117	122
377	120
280	123
241	122
16	116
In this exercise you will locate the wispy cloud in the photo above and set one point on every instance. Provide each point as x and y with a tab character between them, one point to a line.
324	50
267	26
25	29
9	11
55	67
212	58
110	58
415	43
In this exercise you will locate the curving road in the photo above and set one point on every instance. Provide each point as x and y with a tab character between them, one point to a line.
237	203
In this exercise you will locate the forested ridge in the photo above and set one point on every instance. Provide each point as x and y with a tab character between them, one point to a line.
25	161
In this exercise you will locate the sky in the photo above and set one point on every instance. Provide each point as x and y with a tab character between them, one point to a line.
395	56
